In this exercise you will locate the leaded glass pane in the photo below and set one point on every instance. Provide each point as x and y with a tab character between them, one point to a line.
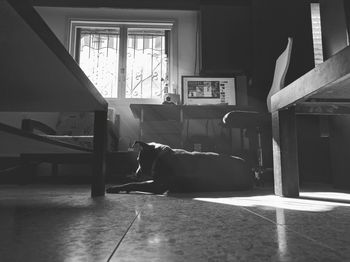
99	59
146	69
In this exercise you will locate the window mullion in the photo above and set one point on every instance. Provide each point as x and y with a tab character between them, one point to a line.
122	61
78	45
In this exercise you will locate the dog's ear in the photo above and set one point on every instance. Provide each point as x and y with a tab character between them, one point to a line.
142	145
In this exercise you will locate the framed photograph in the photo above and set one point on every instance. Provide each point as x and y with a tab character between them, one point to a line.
198	90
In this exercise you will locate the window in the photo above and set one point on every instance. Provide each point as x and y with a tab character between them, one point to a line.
316	33
97	53
147	67
124	60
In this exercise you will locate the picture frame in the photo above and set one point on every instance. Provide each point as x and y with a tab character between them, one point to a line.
205	90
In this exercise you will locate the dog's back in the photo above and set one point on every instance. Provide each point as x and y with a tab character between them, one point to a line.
196	171
178	170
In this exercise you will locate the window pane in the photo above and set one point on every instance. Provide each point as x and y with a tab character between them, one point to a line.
99	58
147	63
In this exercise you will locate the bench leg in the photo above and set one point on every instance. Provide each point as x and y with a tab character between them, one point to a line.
99	154
285	153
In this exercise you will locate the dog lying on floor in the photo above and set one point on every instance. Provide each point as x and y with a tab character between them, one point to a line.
177	170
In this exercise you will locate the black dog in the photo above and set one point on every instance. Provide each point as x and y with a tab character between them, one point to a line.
177	170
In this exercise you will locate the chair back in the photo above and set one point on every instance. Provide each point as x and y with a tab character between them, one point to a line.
281	68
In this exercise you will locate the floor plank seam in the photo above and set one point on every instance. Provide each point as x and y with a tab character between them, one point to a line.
295	232
123	236
261	216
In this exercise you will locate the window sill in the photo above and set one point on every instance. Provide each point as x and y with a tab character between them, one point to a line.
128	101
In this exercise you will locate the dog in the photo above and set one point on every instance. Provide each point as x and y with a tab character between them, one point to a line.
177	170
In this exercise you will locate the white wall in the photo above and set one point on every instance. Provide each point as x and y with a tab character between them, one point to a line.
185	26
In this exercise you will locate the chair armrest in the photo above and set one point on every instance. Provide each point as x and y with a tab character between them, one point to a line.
30	125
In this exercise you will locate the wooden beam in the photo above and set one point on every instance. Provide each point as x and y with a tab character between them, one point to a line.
145	4
322	108
14	141
285	153
328	80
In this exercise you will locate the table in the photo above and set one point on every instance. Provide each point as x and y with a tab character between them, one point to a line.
39	75
181	113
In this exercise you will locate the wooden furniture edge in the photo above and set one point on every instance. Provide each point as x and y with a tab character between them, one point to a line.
19	132
36	23
324	76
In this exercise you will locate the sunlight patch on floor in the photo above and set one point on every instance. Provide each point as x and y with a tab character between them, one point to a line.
272	201
334	196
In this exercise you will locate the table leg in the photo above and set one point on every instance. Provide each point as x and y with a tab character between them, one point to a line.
285	153
99	154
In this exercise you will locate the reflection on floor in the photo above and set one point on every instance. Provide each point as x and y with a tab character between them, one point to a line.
53	223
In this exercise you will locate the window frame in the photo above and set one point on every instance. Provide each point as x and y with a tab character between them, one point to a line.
75	23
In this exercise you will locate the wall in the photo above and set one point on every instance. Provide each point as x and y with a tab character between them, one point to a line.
57	19
273	22
226	39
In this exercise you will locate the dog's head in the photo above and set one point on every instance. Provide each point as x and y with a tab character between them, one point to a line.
148	154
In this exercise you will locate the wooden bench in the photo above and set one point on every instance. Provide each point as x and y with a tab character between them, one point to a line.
325	90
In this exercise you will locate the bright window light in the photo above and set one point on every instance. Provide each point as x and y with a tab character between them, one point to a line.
99	58
124	60
272	201
147	63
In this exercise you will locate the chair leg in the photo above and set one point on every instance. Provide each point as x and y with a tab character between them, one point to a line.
285	153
